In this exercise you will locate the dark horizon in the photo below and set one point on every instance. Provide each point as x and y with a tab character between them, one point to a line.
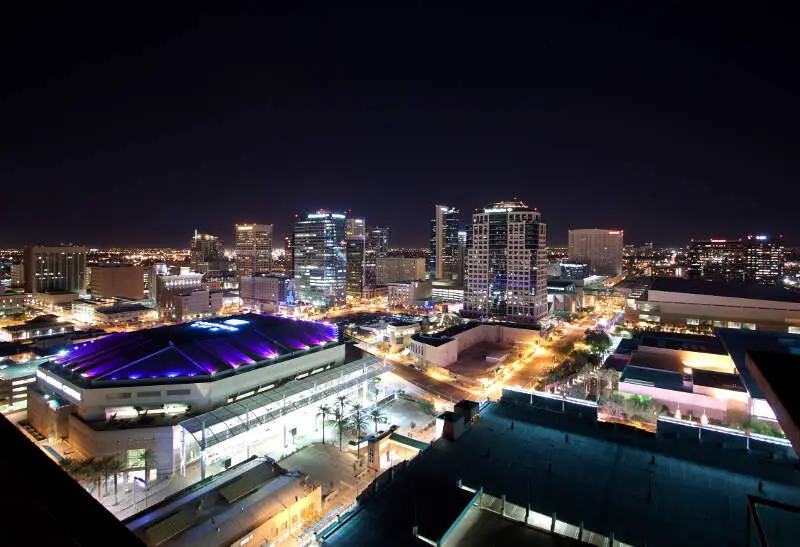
135	131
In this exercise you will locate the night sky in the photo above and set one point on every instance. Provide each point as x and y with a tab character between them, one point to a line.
136	130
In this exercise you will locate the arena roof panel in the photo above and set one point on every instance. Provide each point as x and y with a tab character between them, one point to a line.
193	349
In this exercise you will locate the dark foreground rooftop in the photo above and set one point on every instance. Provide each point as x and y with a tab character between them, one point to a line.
695	498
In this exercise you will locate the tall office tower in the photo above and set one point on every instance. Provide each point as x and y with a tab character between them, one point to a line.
444	242
506	274
320	264
600	249
378	240
764	259
360	267
253	248
207	254
54	268
355	227
288	256
715	260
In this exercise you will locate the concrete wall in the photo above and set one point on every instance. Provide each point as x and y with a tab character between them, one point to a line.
117	442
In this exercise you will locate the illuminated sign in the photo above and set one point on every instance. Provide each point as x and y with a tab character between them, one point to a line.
213	327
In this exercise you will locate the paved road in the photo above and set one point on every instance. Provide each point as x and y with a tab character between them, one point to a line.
436	387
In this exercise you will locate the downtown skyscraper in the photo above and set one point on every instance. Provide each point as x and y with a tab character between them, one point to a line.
253	248
506	269
444	244
320	263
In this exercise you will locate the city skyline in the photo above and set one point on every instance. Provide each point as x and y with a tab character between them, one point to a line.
630	120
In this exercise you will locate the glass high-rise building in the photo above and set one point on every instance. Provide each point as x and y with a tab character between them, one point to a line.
253	249
444	244
206	253
600	249
506	266
378	241
764	259
320	263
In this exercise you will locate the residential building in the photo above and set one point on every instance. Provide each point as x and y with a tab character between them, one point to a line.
263	293
54	268
207	254
406	294
320	263
116	281
444	243
393	269
601	249
253	248
507	263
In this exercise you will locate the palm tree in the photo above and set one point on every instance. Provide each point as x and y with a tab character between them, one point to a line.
342	400
358	421
324	411
340	422
114	467
377	417
70	466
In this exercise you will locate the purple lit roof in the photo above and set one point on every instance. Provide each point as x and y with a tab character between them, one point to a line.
193	349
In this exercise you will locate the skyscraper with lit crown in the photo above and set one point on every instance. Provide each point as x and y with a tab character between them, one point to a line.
506	270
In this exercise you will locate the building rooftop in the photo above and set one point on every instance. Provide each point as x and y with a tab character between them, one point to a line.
740	341
123	308
719	288
42	321
692	494
198	349
215	509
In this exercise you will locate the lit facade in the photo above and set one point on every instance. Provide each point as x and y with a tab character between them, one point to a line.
763	260
394	269
506	272
116	281
444	243
599	248
320	263
755	259
207	253
263	292
253	248
54	268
